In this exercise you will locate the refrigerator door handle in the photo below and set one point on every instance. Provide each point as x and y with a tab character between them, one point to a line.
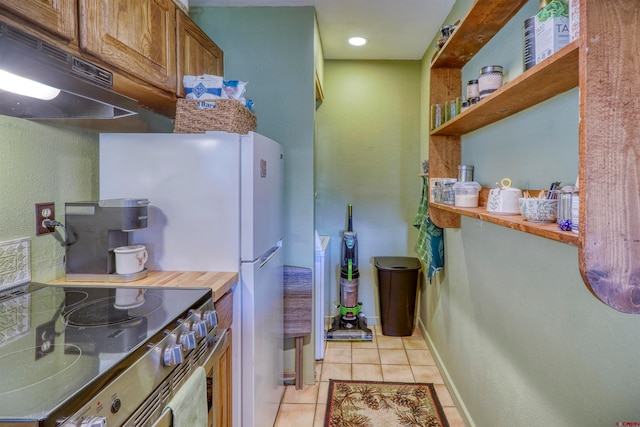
266	257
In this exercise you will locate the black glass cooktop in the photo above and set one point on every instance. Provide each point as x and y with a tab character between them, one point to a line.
56	342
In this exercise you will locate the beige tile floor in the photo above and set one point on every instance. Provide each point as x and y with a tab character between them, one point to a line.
404	359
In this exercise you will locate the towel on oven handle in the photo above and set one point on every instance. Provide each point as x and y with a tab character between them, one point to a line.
189	405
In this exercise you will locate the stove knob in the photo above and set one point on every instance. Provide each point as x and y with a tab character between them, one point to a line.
94	422
211	317
188	340
173	355
185	326
200	328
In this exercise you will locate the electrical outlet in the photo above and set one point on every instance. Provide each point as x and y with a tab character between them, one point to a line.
44	211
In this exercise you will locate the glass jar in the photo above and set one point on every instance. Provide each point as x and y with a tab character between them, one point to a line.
437	116
465	105
564	207
451	110
473	91
437	192
490	80
448	193
575	210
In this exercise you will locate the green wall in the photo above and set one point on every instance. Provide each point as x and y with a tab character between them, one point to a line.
519	336
368	155
40	163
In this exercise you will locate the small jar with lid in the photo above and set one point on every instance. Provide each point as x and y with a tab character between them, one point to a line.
446	32
473	90
490	79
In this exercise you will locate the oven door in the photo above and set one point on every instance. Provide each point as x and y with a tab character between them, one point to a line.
218	374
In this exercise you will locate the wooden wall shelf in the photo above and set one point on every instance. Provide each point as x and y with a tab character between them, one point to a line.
553	76
481	23
604	66
515	222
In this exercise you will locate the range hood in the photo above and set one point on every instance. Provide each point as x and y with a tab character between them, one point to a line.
84	87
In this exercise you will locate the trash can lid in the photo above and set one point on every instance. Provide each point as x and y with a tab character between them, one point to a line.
397	263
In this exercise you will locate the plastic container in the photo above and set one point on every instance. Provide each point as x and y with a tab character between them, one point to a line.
397	285
466	194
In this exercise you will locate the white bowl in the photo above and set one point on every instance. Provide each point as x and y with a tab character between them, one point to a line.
538	210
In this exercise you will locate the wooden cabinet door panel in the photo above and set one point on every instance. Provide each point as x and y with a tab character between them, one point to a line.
57	16
221	413
136	36
197	53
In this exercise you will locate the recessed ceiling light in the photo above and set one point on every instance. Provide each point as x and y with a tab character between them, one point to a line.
357	41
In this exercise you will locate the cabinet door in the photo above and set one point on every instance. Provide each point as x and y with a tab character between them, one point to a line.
136	36
57	16
197	53
221	413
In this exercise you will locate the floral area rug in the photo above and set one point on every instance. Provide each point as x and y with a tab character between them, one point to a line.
383	404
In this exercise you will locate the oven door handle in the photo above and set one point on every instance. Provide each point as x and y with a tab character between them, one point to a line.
220	340
165	420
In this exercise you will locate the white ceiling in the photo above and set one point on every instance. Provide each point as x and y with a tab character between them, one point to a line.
396	29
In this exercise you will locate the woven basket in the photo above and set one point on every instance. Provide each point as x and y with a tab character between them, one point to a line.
228	115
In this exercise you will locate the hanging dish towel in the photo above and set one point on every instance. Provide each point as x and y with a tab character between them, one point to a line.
430	244
189	405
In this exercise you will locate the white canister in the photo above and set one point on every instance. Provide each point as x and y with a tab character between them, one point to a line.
130	259
503	200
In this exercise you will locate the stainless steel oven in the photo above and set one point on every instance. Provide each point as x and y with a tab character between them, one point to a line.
101	356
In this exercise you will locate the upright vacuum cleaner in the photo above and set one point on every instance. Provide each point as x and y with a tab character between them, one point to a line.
350	324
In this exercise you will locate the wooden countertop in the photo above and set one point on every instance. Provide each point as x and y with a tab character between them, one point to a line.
219	282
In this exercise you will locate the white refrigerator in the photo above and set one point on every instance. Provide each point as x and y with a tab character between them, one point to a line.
216	204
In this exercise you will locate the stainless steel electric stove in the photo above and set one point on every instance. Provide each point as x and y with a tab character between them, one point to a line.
72	356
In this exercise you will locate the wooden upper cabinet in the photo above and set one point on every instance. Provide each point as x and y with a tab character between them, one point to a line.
56	16
139	37
197	53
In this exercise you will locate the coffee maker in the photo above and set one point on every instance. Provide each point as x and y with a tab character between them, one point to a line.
95	229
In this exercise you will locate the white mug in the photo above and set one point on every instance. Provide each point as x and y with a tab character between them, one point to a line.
130	259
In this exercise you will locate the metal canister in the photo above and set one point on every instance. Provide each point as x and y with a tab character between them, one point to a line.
465	173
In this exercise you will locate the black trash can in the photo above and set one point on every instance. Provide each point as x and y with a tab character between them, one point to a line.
397	286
